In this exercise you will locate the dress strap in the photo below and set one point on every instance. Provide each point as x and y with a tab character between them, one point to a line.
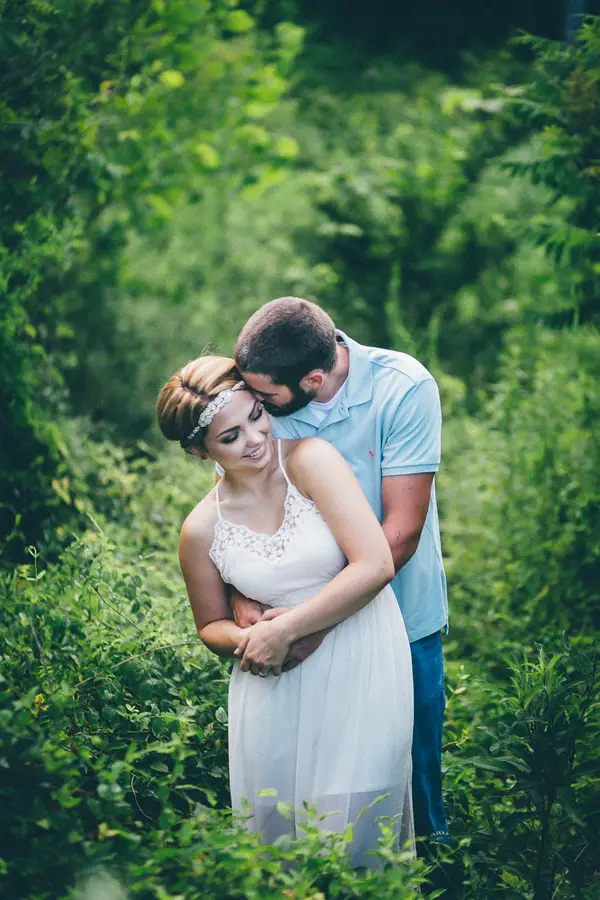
218	500
279	456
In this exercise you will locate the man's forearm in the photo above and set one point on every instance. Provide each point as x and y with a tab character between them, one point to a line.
403	546
406	500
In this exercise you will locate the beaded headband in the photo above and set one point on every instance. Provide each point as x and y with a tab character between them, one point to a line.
211	409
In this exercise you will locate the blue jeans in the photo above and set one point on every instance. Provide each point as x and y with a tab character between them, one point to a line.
430	701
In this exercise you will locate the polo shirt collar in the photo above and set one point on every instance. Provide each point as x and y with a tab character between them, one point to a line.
359	385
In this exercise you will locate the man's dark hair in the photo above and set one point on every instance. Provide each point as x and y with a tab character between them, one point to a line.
286	339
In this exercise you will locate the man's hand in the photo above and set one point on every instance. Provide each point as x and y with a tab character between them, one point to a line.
300	649
245	612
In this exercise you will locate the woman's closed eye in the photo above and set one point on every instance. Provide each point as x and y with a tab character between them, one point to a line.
254	416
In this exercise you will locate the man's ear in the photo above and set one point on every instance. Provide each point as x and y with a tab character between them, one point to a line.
313	381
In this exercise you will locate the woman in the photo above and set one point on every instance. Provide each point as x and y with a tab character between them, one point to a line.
289	526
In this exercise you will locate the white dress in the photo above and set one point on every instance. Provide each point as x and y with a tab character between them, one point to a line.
335	731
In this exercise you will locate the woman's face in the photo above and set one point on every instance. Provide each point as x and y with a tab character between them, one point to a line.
239	436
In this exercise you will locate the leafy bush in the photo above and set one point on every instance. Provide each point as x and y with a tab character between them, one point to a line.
114	114
561	102
522	537
524	776
99	726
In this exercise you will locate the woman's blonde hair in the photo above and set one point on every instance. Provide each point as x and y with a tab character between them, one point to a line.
185	395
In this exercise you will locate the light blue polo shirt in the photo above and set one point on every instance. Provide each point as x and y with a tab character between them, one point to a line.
388	422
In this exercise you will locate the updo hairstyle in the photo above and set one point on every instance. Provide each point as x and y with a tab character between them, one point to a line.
184	397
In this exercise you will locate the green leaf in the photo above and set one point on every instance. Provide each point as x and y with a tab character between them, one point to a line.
172	79
285	809
207	155
239	21
286	148
160	206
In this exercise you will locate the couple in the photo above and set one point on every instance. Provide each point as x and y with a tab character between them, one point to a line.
336	597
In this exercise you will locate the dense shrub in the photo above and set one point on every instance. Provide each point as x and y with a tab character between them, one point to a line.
521	483
522	774
113	115
105	735
561	103
115	749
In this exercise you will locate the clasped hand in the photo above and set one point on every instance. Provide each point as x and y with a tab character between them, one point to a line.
264	646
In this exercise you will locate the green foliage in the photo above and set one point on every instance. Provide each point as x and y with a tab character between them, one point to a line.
561	103
166	168
522	544
399	216
114	733
403	161
112	116
527	781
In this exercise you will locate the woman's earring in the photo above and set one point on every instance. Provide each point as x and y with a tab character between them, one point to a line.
196	451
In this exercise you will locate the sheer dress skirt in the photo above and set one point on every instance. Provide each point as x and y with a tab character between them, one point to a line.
335	732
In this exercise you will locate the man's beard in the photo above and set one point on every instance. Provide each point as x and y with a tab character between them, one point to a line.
299	400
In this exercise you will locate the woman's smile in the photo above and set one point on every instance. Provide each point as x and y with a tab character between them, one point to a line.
256	454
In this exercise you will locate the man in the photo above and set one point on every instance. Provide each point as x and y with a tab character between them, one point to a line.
381	409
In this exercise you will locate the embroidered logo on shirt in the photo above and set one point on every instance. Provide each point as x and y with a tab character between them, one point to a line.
371	454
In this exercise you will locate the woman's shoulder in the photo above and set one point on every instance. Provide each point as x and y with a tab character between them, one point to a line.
198	527
307	453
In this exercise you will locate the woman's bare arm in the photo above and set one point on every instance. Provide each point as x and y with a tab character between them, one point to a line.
205	588
322	474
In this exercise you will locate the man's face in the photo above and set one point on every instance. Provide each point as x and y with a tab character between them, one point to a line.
277	399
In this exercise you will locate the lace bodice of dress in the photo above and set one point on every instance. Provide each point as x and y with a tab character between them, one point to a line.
264	546
283	568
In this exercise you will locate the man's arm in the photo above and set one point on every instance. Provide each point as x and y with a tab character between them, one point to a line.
246	612
405	504
411	457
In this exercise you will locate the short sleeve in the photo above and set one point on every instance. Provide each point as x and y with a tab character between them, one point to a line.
413	441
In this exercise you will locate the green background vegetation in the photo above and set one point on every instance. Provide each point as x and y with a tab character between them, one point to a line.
167	167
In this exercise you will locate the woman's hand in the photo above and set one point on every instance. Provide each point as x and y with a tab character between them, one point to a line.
301	649
264	647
